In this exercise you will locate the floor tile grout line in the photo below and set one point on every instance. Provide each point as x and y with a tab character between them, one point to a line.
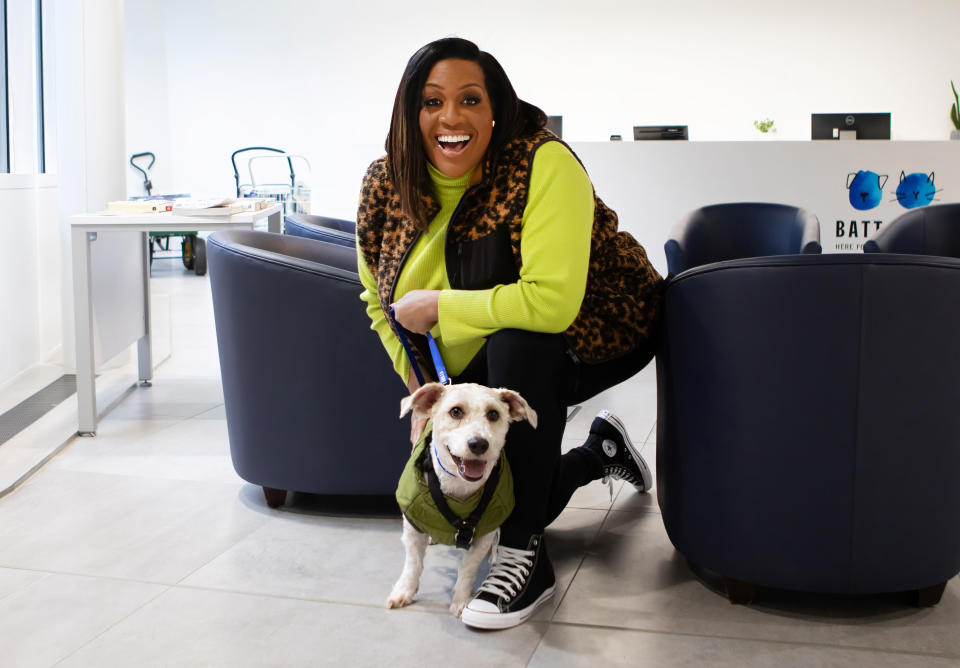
110	627
443	611
583	556
36	468
536	647
769	641
649	434
267	520
94	576
167	587
44	576
239	482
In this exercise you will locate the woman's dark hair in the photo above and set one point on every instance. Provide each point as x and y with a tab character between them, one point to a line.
406	160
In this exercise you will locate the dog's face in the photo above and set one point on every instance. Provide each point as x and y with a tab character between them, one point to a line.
470	424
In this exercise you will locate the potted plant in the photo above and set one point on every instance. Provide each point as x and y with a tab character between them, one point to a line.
955	113
765	127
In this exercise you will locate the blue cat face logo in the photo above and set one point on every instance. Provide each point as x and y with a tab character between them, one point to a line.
915	190
866	189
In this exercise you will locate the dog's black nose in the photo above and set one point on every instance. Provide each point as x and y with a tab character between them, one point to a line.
478	445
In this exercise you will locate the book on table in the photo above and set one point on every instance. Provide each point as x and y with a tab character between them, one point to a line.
139	206
218	207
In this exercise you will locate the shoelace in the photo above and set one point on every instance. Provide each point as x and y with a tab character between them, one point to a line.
509	568
611	473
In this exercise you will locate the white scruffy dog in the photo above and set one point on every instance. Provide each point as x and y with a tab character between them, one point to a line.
470	424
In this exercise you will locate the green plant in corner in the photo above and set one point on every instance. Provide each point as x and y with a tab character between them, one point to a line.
955	109
765	126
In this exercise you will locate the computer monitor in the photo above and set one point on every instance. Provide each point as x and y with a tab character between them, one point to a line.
850	126
555	125
644	132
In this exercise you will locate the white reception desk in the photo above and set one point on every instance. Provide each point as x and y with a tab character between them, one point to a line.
654	184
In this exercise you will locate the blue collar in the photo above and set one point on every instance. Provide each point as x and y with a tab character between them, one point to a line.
437	456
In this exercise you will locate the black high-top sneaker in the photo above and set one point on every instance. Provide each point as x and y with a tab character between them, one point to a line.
518	582
621	460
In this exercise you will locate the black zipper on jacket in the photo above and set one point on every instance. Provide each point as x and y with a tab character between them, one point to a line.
403	260
446	241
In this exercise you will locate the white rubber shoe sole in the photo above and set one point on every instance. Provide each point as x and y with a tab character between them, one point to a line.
645	473
494	620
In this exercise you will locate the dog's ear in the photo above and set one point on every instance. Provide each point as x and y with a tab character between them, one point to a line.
519	408
423	399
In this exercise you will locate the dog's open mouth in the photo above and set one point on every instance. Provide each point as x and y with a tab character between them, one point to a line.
470	469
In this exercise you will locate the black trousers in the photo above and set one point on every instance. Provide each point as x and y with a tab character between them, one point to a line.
539	367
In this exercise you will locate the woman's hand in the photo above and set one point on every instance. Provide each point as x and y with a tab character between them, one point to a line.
417	311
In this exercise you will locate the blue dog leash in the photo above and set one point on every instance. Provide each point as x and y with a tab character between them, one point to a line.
438	364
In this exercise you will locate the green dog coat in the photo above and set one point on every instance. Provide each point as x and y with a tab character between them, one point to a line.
413	495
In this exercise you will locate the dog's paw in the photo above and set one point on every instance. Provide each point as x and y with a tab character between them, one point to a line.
456	608
459	602
399	599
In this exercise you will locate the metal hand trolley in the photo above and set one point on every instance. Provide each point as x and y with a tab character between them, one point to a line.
294	196
193	249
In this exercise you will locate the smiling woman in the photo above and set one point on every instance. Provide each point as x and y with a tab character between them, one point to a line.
482	228
456	120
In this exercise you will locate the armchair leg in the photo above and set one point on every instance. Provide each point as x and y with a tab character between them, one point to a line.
739	592
929	596
275	497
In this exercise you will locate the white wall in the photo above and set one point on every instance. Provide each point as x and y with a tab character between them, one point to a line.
84	128
91	152
319	77
18	259
30	290
145	82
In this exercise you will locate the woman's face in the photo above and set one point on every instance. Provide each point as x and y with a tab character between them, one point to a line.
456	119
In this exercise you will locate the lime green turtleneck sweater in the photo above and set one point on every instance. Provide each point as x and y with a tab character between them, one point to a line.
555	247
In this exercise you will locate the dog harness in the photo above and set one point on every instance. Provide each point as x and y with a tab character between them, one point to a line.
458	522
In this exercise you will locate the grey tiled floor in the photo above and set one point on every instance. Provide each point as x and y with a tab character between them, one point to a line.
141	547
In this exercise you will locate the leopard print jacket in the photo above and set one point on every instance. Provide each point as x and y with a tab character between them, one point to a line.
622	300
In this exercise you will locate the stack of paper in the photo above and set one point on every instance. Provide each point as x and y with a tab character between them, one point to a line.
138	206
208	207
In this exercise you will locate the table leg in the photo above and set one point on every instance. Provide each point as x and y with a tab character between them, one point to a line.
144	348
83	321
273	222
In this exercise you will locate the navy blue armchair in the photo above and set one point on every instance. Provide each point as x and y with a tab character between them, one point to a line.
740	229
808	436
931	230
312	402
333	230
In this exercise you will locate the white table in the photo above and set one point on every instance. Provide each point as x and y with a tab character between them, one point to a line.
84	231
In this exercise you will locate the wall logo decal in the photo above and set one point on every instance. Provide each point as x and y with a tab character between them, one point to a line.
866	189
916	190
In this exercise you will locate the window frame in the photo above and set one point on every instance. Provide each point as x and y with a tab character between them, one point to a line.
41	134
4	94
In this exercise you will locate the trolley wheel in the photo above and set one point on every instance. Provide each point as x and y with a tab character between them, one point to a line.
187	250
200	256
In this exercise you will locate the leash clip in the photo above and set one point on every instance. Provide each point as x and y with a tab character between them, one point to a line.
464	534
